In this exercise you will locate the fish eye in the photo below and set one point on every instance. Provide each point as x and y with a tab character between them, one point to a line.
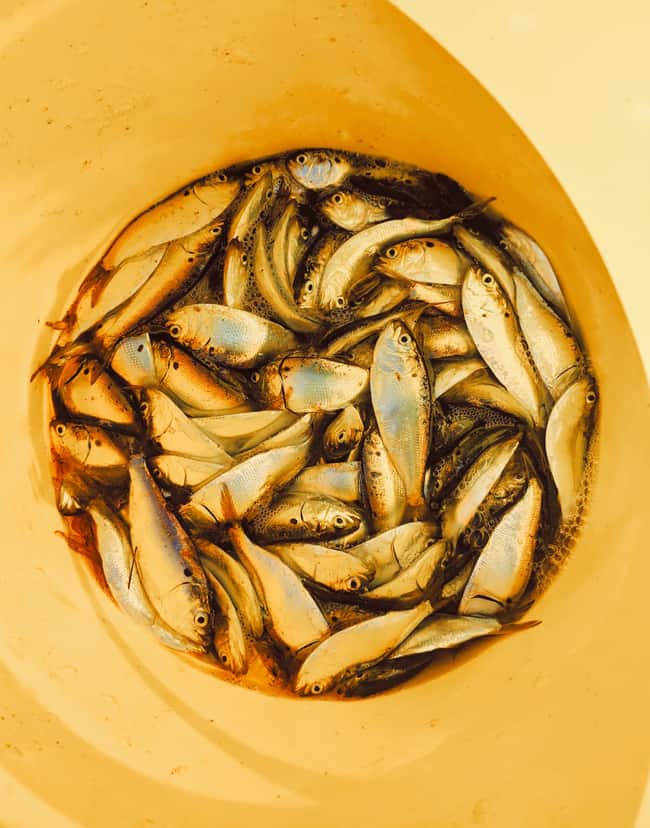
144	407
301	159
257	169
60	429
429	244
590	397
304	233
157	473
269	193
337	160
316	689
187	572
293	521
337	199
339	520
222	177
404	339
341	437
309	286
217	230
340	301
487	279
437	485
391	252
174	330
244	258
201	619
255	376
354	584
223	657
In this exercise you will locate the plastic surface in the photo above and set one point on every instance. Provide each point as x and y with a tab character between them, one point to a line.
107	109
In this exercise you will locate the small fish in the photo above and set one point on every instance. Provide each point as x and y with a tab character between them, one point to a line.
382	300
353	259
444	632
567	440
488	256
175	433
296	619
294	434
197	390
255	200
552	344
274	287
101	399
503	569
403	404
340	480
317	169
244	431
302	516
166	560
289	241
383	486
492	322
444	298
412	584
380	677
307	383
392	551
235	580
133	361
249	483
460	506
430	261
449	374
228	638
315	267
343	338
236	276
343	433
185	212
441	337
231	336
482	390
332	568
354	211
362	644
91	449
185	472
535	263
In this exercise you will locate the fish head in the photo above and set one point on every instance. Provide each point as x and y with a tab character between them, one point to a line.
184	324
482	291
258	171
163	355
327	516
398	346
70	440
343	208
343	433
217	189
310	683
307	295
201	243
186	607
589	393
267	384
166	468
133	360
156	408
403	259
316	169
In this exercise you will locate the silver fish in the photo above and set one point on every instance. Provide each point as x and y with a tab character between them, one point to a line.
444	298
87	390
303	516
185	472
133	361
236	276
479	388
244	431
89	448
340	480
228	637
343	433
443	632
413	583
354	211
332	568
490	257
449	374
315	267
392	551
403	404
317	169
166	560
430	261
383	486
231	336
253	203
441	337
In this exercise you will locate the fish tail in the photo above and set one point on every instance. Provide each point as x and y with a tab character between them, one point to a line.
518	627
474	209
228	511
59	357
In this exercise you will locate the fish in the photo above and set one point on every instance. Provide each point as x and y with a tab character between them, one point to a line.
244	431
353	259
460	506
231	336
309	383
253	203
250	483
402	401
444	298
175	433
303	516
228	636
180	267
237	583
133	361
317	169
114	549
448	470
492	323
166	560
196	389
89	448
530	257
289	241
184	213
482	390
102	399
340	480
427	260
185	472
503	569
354	211
361	644
490	257
386	297
396	549
552	344
448	374
441	337
382	676
417	581
274	287
295	618
345	337
236	276
315	267
568	435
332	568
383	487
444	632
294	434
343	433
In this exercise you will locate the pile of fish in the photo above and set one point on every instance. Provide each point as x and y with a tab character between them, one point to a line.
318	417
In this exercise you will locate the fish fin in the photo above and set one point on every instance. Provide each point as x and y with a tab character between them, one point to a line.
474	209
518	627
135	552
61	325
228	510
